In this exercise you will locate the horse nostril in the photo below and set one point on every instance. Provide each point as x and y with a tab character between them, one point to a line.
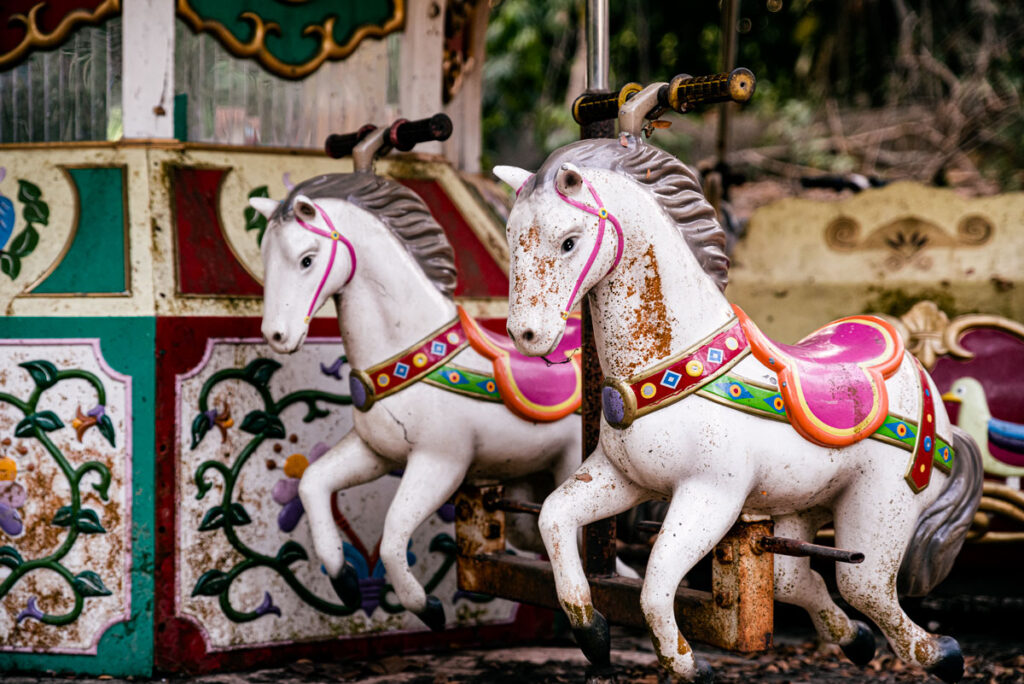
278	337
528	335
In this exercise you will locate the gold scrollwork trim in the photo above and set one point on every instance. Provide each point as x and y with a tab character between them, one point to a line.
37	38
929	333
257	48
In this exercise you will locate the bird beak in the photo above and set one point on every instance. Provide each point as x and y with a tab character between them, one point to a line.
949	396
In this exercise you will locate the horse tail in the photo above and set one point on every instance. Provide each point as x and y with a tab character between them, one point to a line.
942	527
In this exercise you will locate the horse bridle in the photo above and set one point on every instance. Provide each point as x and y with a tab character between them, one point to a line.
604	215
335	238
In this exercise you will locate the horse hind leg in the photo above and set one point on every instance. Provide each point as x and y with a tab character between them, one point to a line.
347	464
881	532
796	583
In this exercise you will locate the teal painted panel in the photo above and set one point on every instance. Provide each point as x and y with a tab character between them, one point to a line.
126	345
96	261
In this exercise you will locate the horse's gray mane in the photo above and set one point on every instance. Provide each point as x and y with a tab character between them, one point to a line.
674	184
398	208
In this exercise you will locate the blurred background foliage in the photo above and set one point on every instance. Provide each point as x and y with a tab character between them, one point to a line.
922	89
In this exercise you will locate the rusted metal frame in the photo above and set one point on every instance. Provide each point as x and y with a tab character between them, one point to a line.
736	614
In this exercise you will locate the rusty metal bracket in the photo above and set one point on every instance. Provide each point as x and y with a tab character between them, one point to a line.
736	614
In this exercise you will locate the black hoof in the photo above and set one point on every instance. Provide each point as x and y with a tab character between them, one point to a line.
861	650
346	586
705	675
433	614
595	640
950	665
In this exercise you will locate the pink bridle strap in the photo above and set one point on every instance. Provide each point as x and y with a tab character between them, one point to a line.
603	214
335	237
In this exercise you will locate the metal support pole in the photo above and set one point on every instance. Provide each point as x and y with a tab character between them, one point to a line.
599	537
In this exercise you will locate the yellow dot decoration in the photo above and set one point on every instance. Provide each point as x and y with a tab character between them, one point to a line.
295	465
648	390
420	360
453	338
778	404
731	344
922	467
383	379
454	377
8	469
694	368
929	417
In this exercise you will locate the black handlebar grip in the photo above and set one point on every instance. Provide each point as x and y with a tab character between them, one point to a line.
404	135
684	92
340	145
593	107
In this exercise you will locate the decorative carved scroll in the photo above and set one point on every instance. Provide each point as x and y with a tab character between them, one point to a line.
27	25
905	239
306	34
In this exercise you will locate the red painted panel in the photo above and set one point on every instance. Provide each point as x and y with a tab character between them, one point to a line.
479	274
206	264
180	343
998	365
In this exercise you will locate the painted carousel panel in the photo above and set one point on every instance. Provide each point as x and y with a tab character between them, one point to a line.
879	251
236	546
75	497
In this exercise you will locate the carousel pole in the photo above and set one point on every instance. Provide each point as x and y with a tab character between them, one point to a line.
599	537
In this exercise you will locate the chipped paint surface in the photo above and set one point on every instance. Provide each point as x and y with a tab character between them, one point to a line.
43	591
362	508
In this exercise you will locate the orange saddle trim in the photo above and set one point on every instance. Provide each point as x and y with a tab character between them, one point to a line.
833	380
530	387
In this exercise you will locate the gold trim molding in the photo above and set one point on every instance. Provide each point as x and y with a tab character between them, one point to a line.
35	37
929	333
256	47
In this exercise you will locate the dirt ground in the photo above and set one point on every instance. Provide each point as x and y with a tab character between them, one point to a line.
993	657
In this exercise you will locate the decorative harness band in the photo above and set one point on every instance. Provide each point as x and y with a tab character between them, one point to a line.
626	400
407	367
335	237
918	437
603	214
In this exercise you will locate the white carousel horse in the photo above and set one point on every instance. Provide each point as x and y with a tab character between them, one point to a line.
428	401
628	224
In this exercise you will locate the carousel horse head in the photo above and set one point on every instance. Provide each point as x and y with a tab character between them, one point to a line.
327	233
583	215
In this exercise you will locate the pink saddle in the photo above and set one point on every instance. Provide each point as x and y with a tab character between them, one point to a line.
833	381
531	387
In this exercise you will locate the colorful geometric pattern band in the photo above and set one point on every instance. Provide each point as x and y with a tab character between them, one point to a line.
767	402
409	366
624	401
465	381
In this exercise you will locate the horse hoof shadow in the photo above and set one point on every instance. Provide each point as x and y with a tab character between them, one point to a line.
950	665
861	650
704	675
595	640
433	615
346	586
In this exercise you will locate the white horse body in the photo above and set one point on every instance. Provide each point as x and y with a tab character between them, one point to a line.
711	461
439	437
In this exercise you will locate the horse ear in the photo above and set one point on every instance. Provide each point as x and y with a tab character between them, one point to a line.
304	208
513	175
568	180
264	205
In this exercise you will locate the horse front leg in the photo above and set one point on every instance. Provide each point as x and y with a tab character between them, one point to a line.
349	463
698	516
428	482
598	490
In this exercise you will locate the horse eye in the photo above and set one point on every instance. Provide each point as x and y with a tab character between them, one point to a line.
307	261
568	245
